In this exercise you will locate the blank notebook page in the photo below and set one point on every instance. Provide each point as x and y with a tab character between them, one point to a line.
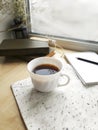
87	72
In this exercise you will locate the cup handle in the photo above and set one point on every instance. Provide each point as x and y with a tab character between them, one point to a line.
64	80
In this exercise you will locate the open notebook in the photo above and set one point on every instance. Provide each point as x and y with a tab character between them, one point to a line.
87	72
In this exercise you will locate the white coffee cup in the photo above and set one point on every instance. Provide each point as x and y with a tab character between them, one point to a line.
46	83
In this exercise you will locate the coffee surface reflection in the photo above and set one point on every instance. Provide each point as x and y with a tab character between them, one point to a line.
46	69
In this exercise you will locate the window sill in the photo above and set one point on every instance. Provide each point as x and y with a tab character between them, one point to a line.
76	45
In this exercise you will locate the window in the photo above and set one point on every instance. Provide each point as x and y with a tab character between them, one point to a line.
73	20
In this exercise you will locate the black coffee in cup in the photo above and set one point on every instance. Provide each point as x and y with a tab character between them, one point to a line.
46	69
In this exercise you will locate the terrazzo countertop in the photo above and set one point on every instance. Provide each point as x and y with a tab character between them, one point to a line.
71	107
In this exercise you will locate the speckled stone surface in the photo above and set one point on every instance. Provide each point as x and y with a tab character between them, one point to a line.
71	107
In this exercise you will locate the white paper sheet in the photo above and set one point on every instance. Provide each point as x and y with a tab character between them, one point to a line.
87	72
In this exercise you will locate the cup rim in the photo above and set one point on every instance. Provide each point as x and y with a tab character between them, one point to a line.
51	58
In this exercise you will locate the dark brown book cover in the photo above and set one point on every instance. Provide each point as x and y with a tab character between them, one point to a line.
25	47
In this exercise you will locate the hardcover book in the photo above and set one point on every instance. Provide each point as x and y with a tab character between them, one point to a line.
23	47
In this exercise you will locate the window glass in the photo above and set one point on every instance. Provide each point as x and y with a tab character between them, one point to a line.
65	18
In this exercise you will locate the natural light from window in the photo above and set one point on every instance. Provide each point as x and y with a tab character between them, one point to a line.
66	18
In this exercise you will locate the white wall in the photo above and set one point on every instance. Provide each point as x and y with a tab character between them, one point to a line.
4	25
5	20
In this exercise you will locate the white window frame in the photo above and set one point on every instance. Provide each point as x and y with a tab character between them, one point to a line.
68	42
